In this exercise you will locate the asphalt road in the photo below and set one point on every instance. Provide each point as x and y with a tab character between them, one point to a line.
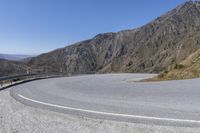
116	97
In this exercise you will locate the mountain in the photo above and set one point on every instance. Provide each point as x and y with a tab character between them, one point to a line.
151	48
14	57
187	69
11	67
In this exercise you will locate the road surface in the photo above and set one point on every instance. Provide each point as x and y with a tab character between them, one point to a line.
116	97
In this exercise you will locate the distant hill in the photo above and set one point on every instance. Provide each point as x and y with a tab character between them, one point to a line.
153	47
189	68
11	67
14	57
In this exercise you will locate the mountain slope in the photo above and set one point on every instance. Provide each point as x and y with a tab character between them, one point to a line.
152	48
189	68
11	68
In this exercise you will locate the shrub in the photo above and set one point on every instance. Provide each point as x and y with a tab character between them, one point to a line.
175	66
162	74
178	66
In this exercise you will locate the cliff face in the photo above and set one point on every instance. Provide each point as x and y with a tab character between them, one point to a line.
150	48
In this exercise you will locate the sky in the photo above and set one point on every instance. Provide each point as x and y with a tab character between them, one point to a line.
36	26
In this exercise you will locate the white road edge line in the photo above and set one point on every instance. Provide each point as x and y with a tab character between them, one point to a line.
110	114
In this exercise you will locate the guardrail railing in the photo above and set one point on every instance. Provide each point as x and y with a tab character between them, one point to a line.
9	80
6	81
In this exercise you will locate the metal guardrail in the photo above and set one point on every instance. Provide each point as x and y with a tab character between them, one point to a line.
6	81
15	76
9	80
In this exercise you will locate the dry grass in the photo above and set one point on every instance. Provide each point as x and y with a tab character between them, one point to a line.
189	68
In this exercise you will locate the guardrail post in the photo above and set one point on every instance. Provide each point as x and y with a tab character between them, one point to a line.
1	83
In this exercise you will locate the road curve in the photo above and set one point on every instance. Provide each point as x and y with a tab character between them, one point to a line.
116	97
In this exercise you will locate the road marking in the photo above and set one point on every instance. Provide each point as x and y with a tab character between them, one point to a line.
110	114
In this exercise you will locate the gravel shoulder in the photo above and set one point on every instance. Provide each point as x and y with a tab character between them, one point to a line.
18	118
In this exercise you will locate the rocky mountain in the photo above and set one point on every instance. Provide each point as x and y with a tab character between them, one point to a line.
11	67
151	48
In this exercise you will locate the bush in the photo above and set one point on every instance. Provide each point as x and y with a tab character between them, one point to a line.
175	66
178	66
162	74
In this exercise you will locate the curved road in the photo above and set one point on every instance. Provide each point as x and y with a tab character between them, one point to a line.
116	97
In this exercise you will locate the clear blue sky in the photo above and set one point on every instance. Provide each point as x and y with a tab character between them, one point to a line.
36	26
